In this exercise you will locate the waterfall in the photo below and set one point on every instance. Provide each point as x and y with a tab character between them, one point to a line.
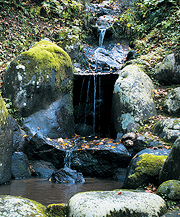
87	98
94	111
82	87
67	159
101	37
99	102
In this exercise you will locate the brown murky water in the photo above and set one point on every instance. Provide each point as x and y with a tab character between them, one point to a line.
45	192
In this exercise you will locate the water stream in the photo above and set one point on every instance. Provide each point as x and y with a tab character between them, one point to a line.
45	192
101	36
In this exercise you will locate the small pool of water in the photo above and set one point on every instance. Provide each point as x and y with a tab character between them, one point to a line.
45	192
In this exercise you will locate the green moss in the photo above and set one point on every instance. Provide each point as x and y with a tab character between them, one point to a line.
44	57
170	190
148	164
3	112
56	210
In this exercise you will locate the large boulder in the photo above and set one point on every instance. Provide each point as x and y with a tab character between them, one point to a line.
115	203
132	98
168	71
11	206
171	104
39	83
145	167
6	144
20	166
171	167
99	158
169	190
168	129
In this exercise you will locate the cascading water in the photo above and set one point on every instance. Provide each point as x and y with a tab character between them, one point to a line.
103	61
101	36
94	111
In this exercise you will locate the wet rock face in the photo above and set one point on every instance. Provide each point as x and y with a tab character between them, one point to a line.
43	148
105	60
67	175
6	144
132	98
37	81
42	168
20	166
116	203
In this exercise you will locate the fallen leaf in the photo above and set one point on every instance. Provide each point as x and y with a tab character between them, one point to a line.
119	193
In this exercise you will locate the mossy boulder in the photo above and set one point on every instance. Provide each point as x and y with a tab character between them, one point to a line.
35	80
168	129
116	203
11	206
6	144
169	190
59	210
171	104
145	168
171	167
132	100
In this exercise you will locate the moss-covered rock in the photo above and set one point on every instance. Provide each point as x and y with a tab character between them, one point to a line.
39	82
170	190
132	98
171	167
116	203
57	210
6	144
38	77
11	206
145	168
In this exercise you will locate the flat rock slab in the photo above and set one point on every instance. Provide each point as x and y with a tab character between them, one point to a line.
110	203
16	207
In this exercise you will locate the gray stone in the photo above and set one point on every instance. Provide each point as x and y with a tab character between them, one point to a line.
145	167
168	129
172	102
169	190
6	144
171	167
168	71
11	206
132	98
20	166
110	203
67	175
